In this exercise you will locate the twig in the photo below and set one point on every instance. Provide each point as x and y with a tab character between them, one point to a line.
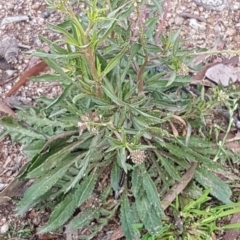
7	81
24	46
188	15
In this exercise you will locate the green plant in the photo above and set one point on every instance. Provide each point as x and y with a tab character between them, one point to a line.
20	232
122	126
195	219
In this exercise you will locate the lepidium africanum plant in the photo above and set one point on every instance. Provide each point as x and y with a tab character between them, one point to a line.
108	145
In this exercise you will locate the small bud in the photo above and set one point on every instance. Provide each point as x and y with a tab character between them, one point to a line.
183	70
138	156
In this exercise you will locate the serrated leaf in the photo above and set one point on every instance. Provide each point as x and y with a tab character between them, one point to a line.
34	148
169	167
219	188
87	215
136	181
64	210
90	155
115	176
127	218
40	187
113	62
147	213
122	157
54	159
13	126
152	193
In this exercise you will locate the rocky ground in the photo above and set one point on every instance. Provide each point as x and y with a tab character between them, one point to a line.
213	24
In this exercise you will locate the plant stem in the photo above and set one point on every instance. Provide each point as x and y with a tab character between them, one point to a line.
91	60
140	76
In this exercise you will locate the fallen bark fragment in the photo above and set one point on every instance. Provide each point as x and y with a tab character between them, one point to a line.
178	187
34	71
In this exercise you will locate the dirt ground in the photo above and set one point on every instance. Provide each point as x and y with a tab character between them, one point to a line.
199	28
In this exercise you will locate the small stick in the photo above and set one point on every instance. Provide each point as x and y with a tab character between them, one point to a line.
189	15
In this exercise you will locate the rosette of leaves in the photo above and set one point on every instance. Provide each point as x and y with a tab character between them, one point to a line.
119	94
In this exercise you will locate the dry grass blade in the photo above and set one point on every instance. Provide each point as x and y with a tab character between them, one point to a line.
118	233
178	187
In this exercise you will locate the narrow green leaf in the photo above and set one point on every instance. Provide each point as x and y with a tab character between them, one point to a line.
115	176
113	97
47	78
219	188
152	193
64	210
127	219
40	187
137	181
122	157
53	64
62	96
172	79
87	216
147	212
113	62
169	167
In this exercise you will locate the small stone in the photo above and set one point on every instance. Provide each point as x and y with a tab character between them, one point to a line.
215	5
210	20
36	6
41	21
230	32
235	6
4	228
193	23
178	20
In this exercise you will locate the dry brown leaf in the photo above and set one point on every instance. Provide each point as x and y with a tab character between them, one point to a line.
47	236
222	74
174	130
233	61
213	236
232	141
201	74
117	233
179	119
178	187
34	71
6	109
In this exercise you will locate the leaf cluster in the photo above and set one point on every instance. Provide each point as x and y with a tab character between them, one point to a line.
119	96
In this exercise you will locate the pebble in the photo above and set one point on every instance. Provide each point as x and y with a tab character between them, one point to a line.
178	20
41	21
230	32
14	19
4	228
235	6
193	23
36	6
215	5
